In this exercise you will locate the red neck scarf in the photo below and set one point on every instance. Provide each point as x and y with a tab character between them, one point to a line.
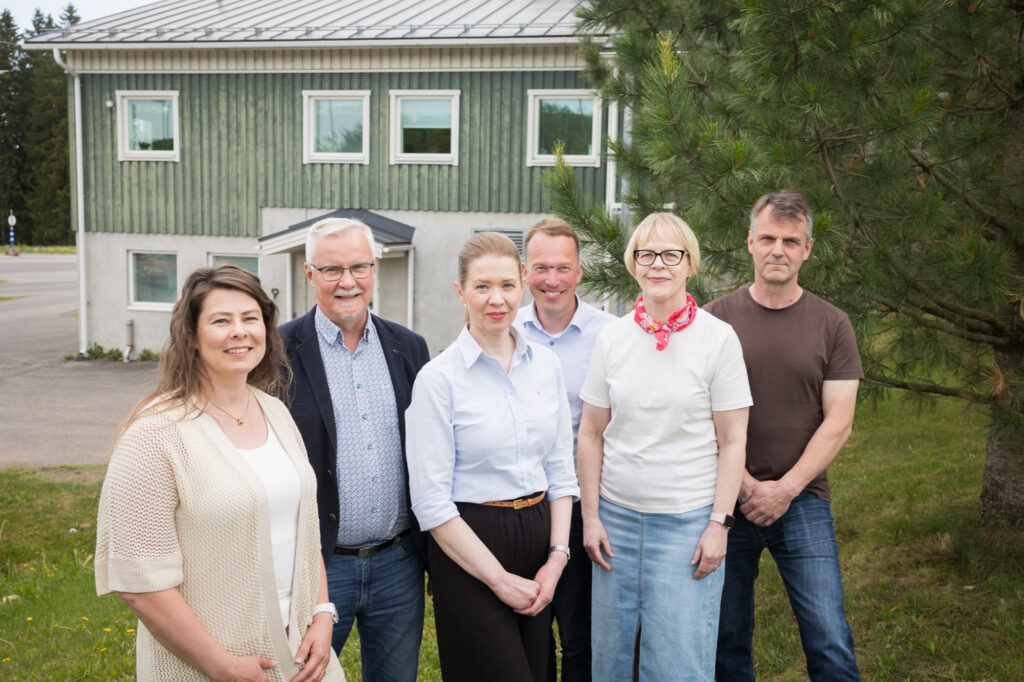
680	319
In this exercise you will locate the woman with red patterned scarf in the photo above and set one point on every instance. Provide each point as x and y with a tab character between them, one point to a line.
661	452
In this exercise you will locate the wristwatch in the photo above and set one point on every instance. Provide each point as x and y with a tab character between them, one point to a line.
726	520
326	608
560	548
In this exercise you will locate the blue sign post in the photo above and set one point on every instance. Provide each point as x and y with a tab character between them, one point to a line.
11	220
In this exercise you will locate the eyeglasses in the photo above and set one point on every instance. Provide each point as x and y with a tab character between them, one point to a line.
670	257
332	273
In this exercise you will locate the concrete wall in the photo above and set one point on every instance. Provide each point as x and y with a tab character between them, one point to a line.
107	282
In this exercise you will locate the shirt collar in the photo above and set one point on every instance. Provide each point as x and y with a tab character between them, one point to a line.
332	334
471	350
579	318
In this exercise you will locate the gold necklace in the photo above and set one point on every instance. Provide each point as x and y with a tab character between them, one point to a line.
240	420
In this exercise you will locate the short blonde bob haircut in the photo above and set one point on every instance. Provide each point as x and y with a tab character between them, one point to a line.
669	227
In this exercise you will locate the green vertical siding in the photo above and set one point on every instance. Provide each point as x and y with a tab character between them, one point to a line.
241	149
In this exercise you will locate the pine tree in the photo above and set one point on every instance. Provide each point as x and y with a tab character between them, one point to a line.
47	190
11	115
902	121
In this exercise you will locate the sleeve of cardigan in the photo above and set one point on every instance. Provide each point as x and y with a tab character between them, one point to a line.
136	539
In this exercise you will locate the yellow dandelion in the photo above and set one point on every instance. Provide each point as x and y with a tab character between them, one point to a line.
7	660
106	629
130	630
29	618
103	649
85	617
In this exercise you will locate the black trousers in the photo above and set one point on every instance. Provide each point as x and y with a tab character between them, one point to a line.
571	608
478	636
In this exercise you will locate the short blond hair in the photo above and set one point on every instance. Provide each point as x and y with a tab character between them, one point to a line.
669	227
553	227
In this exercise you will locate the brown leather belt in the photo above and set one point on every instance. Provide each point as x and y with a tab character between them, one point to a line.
521	503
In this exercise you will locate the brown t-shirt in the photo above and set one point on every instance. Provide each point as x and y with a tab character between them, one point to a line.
789	353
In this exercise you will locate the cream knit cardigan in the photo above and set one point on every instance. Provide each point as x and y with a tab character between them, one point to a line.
180	508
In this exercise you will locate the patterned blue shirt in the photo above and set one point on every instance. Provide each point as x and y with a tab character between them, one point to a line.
573	346
371	479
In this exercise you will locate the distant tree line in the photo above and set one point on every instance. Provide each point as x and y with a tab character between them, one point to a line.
34	152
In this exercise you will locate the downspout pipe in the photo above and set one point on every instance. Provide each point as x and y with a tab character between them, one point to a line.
83	344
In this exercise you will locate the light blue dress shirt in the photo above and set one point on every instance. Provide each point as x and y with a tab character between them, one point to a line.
371	480
573	346
475	433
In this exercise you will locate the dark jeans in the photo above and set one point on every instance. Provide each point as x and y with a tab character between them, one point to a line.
803	543
571	608
383	593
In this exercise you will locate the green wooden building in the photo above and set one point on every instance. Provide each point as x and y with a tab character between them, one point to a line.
205	131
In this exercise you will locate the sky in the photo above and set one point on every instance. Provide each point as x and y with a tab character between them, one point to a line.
22	10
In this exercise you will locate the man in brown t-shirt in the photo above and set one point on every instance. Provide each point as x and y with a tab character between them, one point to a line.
804	370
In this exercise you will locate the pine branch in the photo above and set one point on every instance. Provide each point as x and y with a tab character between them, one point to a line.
934	171
932	388
975	320
943	326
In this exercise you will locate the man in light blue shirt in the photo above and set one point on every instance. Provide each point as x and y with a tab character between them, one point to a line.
559	320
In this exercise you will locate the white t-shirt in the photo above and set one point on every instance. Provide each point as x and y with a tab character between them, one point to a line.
281	480
660	449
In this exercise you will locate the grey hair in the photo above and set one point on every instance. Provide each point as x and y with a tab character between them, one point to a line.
787	204
329	226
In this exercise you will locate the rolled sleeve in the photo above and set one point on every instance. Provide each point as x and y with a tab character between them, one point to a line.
558	465
137	547
430	449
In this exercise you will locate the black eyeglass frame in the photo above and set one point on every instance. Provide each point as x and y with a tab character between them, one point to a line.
341	270
659	254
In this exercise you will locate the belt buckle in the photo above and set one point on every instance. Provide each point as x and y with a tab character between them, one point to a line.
366	551
520	504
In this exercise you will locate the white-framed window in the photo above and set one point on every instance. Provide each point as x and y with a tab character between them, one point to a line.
424	126
249	263
336	126
152	280
147	125
573	116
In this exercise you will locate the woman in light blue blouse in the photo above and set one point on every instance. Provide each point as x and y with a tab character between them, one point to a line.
489	446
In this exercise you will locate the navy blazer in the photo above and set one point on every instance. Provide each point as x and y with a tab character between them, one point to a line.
310	404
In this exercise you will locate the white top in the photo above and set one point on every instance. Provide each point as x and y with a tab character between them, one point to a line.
272	466
660	448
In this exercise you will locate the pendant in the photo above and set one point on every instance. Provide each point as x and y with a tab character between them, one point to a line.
239	420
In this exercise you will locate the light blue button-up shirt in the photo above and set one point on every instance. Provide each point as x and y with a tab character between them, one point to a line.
573	346
475	433
371	480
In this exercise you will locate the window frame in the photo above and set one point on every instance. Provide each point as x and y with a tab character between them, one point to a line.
396	156
212	256
124	152
133	303
533	157
309	153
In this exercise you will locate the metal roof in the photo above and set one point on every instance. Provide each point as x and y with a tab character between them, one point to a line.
386	232
308	23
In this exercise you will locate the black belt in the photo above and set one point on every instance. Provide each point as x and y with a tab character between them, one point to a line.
363	552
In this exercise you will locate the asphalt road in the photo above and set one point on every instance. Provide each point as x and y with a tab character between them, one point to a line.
53	411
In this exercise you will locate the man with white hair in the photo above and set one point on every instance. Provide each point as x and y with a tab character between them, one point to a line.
353	375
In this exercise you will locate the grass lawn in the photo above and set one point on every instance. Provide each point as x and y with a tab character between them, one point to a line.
931	594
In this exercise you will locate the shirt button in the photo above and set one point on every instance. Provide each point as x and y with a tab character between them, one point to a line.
369	446
551	343
373	479
359	385
363	416
373	510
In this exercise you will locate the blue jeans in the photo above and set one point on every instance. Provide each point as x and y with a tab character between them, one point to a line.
803	543
383	593
651	589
